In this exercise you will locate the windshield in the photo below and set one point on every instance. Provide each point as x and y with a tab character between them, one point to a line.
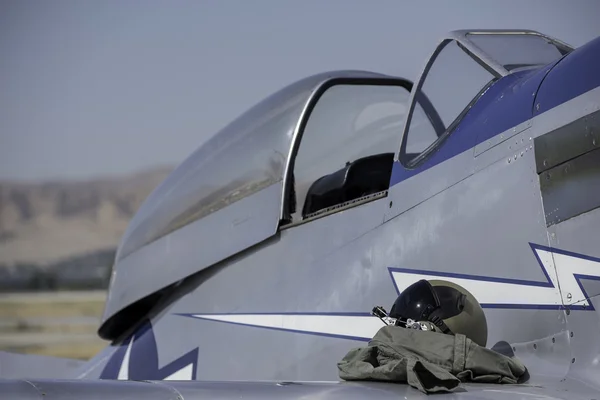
246	156
514	51
461	69
452	82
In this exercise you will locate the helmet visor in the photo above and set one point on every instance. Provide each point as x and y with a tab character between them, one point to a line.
416	302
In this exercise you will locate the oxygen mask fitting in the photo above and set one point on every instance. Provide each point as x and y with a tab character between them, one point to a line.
383	315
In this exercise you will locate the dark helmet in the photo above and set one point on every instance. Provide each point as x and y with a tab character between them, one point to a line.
448	306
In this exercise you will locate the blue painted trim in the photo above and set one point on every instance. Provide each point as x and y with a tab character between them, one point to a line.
390	270
577	277
557	307
564	252
505	106
547	284
577	73
331	314
524	307
511	100
143	361
472	277
507	103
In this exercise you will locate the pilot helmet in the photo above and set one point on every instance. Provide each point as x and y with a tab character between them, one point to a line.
449	307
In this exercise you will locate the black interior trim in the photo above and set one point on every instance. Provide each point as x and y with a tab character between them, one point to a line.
363	177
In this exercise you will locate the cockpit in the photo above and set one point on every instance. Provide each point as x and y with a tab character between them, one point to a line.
321	145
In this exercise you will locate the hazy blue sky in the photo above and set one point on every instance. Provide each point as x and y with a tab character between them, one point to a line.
110	87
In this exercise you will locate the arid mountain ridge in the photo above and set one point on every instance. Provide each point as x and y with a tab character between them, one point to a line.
44	223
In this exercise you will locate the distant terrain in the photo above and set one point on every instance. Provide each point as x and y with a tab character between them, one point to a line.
54	323
57	235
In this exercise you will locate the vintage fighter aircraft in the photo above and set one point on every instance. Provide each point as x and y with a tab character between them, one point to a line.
252	269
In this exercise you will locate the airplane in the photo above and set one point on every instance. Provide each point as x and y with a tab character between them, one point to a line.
253	268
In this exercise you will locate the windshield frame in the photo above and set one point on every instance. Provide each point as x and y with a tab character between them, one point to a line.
484	59
352	77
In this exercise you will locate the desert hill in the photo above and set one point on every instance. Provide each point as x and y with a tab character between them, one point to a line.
46	223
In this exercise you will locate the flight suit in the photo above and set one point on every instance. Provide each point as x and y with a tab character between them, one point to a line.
429	361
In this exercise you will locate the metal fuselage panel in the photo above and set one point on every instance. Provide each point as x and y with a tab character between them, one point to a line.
286	308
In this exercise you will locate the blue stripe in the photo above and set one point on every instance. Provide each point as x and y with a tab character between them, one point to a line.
577	277
564	252
539	261
493	279
531	307
143	360
330	314
511	101
547	284
473	277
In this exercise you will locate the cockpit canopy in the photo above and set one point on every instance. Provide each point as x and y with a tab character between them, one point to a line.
229	194
318	146
247	155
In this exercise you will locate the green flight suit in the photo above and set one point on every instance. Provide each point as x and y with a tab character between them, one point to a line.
429	361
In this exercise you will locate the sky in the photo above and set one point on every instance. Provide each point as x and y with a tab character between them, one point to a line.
96	88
